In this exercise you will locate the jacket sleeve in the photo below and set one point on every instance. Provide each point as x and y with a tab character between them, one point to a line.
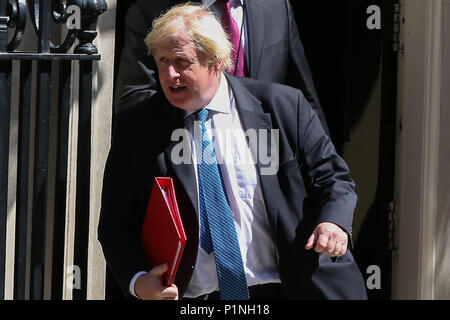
328	176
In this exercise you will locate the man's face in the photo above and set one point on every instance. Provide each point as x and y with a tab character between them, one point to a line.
187	80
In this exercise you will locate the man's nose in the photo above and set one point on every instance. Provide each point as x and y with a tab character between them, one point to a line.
172	72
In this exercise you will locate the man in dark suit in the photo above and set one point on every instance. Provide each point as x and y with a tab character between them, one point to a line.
255	229
270	40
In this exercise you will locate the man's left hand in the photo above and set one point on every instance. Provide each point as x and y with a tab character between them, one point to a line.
328	238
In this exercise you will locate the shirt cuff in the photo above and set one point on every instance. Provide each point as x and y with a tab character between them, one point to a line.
132	283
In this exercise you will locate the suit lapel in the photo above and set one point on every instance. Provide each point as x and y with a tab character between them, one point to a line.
184	171
253	118
255	26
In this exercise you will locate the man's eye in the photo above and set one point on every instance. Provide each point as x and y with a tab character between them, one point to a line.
183	63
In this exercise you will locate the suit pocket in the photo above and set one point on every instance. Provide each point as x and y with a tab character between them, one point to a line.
291	164
276	48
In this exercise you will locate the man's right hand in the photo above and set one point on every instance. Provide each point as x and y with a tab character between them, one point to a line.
149	286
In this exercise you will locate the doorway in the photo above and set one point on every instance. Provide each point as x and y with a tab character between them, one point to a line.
355	71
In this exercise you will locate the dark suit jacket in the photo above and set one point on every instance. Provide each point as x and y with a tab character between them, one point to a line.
275	50
311	186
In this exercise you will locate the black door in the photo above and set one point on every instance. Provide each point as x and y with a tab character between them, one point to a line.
354	68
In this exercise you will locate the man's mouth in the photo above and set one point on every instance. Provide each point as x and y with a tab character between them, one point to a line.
177	88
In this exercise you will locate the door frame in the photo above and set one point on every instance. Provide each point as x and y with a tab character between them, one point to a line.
419	77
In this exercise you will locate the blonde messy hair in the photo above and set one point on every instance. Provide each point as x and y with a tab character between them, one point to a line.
204	29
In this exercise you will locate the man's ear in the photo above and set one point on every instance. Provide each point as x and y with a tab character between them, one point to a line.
217	65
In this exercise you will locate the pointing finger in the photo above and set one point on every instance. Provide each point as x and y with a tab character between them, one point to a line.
311	242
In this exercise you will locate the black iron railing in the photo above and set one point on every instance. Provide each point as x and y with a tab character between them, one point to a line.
49	62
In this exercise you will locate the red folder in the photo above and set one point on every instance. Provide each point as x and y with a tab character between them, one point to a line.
163	236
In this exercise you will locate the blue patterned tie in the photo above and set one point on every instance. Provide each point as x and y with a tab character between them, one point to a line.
217	225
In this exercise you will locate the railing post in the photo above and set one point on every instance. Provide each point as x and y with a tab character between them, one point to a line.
83	174
22	213
44	26
40	183
5	115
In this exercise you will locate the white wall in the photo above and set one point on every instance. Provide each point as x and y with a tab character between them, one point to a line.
422	261
442	280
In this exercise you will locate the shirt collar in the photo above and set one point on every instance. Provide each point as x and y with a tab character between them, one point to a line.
220	103
209	3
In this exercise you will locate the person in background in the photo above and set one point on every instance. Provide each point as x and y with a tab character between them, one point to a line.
266	46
